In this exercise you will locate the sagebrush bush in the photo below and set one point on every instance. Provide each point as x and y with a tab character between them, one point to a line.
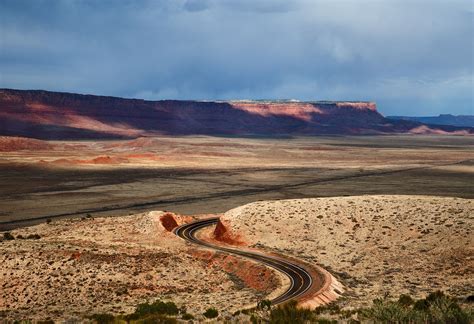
435	308
290	313
157	307
211	313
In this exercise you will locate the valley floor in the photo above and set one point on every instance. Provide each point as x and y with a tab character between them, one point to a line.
195	175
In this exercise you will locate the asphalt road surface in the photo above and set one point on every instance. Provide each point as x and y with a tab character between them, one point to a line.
300	279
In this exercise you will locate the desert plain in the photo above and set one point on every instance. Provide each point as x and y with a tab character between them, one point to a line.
385	215
42	180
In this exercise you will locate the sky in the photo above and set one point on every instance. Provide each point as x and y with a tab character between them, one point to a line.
412	57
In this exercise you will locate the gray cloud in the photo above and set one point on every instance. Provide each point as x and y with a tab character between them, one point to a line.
412	57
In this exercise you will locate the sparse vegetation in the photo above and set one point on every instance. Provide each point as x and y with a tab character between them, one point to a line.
187	316
211	313
7	236
103	318
290	313
157	307
264	304
435	308
156	312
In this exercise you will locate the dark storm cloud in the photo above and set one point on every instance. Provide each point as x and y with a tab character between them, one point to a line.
412	57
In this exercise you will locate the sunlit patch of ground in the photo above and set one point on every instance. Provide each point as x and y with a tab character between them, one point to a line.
375	245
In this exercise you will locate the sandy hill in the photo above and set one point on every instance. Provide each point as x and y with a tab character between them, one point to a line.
375	245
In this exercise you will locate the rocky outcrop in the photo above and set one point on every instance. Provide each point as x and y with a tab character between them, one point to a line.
55	115
223	233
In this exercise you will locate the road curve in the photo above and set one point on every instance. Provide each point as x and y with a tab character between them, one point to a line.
300	279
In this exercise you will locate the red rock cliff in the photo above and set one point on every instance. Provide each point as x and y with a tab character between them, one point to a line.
55	115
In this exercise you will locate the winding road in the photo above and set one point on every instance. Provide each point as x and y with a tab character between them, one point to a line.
300	279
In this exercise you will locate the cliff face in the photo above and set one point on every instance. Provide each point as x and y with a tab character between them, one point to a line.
54	115
444	119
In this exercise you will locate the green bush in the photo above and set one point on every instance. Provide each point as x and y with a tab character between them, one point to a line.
157	307
211	313
289	313
435	308
405	300
264	304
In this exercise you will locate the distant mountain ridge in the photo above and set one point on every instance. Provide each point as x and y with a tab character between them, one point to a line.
57	115
443	119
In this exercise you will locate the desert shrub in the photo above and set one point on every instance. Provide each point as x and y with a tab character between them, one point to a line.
405	300
33	237
421	305
155	319
211	313
331	308
264	304
7	236
435	308
289	313
103	318
444	309
384	311
255	320
187	316
157	307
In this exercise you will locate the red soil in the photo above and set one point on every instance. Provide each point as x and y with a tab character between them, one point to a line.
223	234
105	159
168	221
252	274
